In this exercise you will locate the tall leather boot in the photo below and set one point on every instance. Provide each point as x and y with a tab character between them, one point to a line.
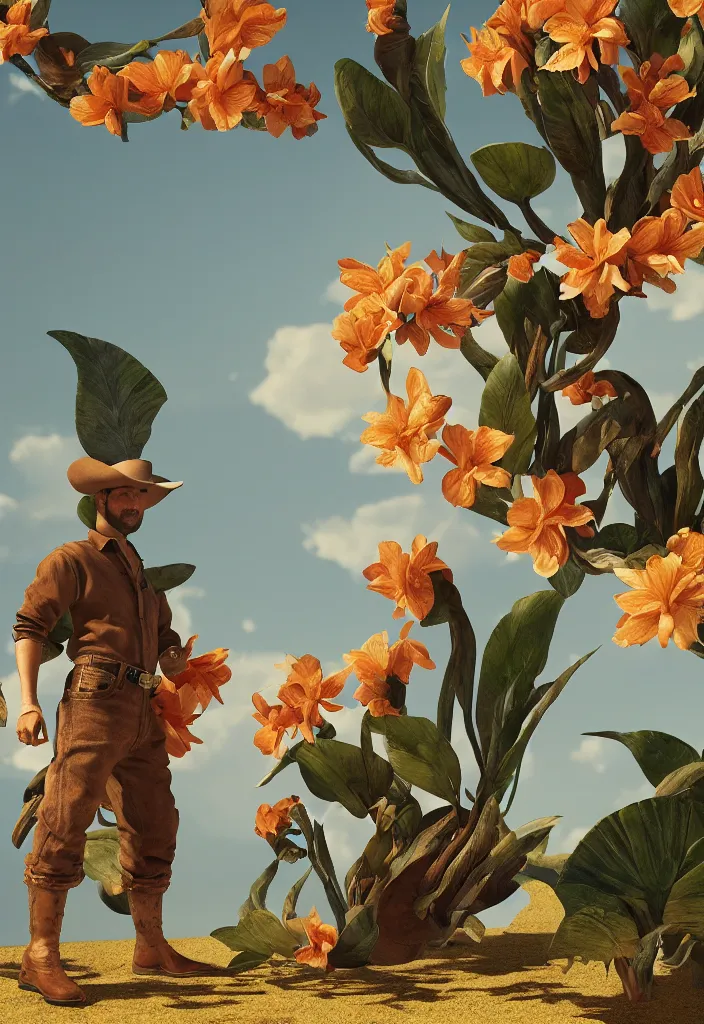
152	953
41	969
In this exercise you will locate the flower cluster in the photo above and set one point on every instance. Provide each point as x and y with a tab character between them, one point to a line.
667	596
414	303
175	700
655	248
504	48
217	95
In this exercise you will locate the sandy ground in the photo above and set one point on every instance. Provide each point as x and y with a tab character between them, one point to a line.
504	979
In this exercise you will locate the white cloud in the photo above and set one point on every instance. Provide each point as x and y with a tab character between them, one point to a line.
6	502
248	625
614	155
52	675
337	292
590	751
181	619
353	543
21	85
572	839
43	460
687	302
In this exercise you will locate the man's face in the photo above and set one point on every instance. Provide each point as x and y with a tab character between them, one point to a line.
123	509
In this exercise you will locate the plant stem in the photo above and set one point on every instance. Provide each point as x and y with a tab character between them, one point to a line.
21	64
536	223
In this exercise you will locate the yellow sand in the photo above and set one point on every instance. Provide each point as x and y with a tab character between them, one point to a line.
504	980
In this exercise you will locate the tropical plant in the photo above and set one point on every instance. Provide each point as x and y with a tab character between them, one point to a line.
116	84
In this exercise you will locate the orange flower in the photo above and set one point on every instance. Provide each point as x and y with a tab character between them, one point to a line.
240	25
174	707
286	104
406	432
651	92
686	8
322	938
537	525
361	336
16	37
381	12
109	99
594	272
375	662
305	689
223	91
473	452
366	281
689	545
272	820
587	387
666	601
579	26
412	293
275	720
166	80
688	195
405	577
205	674
520	267
495	64
515	16
659	246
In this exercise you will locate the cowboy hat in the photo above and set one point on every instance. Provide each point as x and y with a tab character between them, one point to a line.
90	476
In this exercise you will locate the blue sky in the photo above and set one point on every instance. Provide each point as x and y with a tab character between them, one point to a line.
213	259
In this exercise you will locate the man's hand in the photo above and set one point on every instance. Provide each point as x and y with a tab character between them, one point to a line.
173	661
29	725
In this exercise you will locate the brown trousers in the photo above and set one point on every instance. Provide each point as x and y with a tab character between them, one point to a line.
108	742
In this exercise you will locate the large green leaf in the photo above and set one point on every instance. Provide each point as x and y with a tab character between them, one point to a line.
101	859
337	771
471	232
515	170
487	254
688	777
568	579
356	940
690	482
513	758
421	755
395	174
684	909
373	111
110	55
116	399
651	26
166	577
596	933
319	856
258	932
429	59
657	753
86	511
515	655
505	406
260	887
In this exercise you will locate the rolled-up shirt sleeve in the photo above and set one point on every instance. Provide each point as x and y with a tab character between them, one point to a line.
168	637
51	593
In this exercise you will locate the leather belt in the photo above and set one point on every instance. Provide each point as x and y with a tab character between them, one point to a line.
146	680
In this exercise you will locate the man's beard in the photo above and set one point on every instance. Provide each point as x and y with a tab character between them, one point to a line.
123	525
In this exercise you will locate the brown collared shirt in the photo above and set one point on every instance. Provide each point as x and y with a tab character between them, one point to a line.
116	613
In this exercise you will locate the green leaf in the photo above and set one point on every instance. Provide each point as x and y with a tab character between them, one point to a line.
166	577
567	580
471	232
110	55
429	59
505	406
257	932
657	753
39	14
596	933
373	111
187	31
291	901
247	961
260	887
319	857
690	482
682	779
515	655
478	357
421	755
515	170
336	771
87	512
684	909
513	758
116	399
487	254
621	537
394	174
651	26
101	859
357	939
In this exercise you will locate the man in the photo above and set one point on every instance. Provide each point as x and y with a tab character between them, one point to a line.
108	739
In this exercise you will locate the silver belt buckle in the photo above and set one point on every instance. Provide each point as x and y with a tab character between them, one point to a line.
147	680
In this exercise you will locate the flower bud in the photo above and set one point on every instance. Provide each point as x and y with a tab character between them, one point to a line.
485	286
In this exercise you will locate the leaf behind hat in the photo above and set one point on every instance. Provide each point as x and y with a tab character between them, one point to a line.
117	398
